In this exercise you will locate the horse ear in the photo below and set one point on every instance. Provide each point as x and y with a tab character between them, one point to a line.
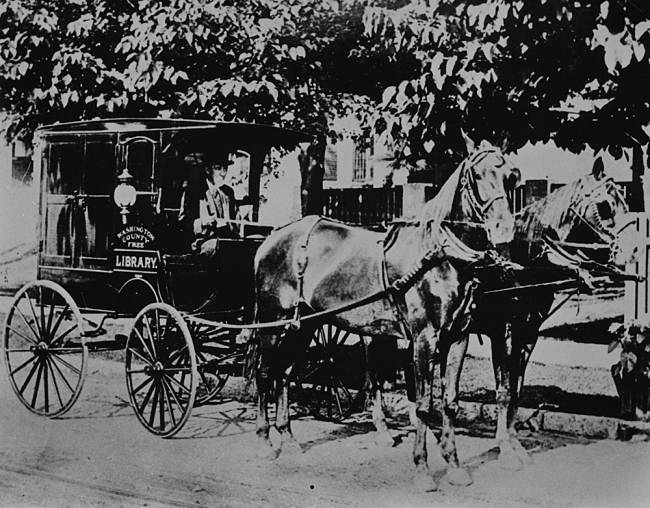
471	146
598	170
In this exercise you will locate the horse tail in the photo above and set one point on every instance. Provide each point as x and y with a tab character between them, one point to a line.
252	355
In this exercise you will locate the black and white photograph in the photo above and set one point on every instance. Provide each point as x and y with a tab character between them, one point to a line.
325	253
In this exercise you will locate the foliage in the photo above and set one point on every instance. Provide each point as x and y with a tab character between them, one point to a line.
502	69
269	61
634	341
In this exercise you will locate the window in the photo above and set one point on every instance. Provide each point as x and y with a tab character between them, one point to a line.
330	164
360	165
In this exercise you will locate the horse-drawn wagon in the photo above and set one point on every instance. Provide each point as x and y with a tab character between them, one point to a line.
114	243
116	197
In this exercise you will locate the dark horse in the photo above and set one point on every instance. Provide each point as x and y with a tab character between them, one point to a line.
590	215
316	264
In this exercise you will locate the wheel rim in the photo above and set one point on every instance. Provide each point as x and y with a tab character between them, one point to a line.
214	350
44	348
161	372
333	378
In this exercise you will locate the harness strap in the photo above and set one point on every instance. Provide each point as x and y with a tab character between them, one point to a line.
301	262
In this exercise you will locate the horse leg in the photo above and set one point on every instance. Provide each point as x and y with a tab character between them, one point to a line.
451	365
502	363
374	384
264	382
292	346
423	377
521	355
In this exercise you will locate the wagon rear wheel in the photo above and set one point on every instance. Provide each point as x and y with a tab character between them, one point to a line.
331	382
161	371
44	348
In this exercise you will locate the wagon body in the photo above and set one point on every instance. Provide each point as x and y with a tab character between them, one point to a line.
120	258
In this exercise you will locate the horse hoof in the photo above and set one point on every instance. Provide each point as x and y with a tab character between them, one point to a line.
458	476
424	482
509	460
384	439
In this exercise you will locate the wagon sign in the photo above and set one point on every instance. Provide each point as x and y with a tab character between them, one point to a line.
136	260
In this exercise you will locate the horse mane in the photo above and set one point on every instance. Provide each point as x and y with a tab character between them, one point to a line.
549	214
437	209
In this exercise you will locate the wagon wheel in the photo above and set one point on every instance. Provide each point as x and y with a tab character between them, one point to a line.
216	354
44	348
161	373
331	383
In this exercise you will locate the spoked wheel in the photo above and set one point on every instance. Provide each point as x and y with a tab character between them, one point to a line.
217	354
44	348
331	382
161	373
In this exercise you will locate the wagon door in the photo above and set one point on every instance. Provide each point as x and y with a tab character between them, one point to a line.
95	207
62	169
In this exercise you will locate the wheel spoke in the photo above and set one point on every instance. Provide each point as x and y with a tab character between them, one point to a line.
144	344
42	312
146	398
31	306
67	364
344	337
141	385
23	365
65	334
176	354
65	379
161	405
154	406
345	389
56	385
50	315
178	402
179	384
38	383
59	320
20	312
46	388
169	404
145	320
135	352
29	376
336	395
22	335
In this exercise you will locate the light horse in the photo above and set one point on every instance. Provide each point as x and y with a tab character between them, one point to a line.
590	215
316	264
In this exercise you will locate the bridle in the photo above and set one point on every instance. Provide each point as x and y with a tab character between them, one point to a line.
478	207
602	232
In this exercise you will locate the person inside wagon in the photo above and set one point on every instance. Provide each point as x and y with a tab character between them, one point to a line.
217	208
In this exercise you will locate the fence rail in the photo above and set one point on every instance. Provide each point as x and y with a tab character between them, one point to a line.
365	206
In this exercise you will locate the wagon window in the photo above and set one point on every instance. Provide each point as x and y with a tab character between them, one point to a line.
100	168
65	167
140	162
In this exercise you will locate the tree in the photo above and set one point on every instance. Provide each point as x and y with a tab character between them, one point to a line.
509	70
269	61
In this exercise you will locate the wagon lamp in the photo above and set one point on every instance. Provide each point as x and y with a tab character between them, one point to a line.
124	194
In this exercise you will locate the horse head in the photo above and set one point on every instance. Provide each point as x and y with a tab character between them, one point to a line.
485	178
600	215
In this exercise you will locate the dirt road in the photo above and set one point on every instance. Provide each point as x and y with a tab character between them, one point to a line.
98	455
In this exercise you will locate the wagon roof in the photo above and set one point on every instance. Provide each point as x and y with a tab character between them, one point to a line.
237	134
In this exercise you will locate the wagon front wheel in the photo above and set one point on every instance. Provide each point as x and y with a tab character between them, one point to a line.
161	371
44	348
